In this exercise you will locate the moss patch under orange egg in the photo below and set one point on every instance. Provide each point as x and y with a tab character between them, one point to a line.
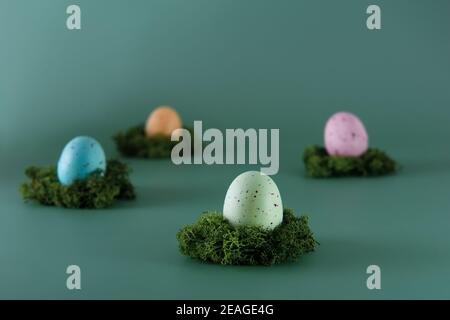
135	143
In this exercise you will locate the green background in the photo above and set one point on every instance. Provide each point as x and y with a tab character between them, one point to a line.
232	63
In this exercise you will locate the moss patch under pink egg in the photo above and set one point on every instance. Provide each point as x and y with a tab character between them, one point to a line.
374	162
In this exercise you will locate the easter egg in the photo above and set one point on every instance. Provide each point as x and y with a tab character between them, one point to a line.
162	121
79	158
253	199
345	135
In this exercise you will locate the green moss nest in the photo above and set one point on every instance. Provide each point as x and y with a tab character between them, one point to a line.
214	239
135	143
97	191
373	162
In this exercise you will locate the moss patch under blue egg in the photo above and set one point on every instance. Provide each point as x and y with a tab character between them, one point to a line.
95	192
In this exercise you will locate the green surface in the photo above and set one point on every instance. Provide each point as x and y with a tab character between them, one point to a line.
264	64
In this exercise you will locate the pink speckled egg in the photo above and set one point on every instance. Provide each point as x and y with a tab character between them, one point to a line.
345	135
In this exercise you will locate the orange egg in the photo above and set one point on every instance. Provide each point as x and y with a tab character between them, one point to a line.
162	121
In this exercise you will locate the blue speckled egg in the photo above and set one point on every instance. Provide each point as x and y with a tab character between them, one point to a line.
80	157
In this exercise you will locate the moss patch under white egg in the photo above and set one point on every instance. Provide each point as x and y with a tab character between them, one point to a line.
373	162
95	192
214	239
135	143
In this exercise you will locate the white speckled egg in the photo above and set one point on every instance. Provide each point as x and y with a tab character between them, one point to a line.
79	158
345	135
253	199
